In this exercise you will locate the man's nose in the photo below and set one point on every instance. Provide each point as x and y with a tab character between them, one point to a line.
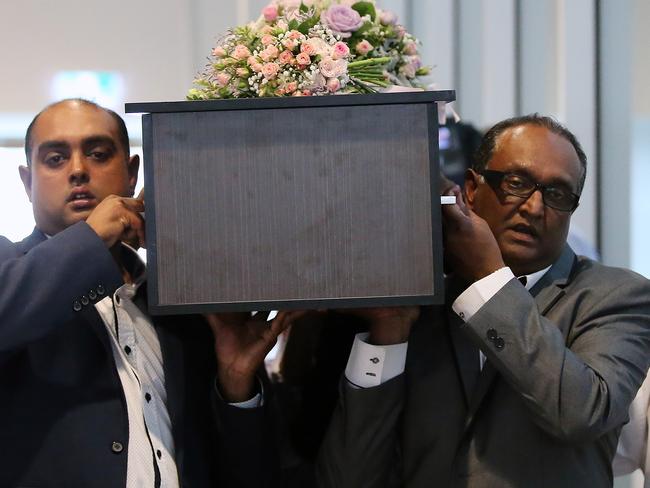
78	169
534	204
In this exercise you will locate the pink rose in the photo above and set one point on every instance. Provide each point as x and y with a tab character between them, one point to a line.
290	44
340	50
241	52
331	68
270	70
285	57
303	59
242	72
364	47
291	87
342	19
223	79
270	12
308	48
254	64
409	70
282	25
306	93
387	18
293	34
219	52
410	48
333	85
297	94
319	46
268	39
267	29
270	53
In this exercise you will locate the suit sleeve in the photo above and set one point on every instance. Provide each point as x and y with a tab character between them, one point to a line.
577	388
38	289
360	449
247	457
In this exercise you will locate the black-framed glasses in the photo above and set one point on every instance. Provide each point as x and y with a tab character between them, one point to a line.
523	187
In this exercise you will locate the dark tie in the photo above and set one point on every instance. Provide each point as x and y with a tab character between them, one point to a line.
523	280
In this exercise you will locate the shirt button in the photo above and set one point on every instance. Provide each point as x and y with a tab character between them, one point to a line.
159	454
84	300
462	315
499	343
492	334
117	447
92	294
76	306
127	349
147	397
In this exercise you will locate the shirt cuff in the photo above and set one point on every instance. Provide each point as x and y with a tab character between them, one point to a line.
371	365
256	401
471	300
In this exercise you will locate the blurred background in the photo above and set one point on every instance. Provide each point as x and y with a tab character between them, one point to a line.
583	61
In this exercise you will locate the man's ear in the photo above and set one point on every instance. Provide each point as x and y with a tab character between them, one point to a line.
471	185
133	165
26	177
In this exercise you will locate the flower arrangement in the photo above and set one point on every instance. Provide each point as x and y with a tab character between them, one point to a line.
312	47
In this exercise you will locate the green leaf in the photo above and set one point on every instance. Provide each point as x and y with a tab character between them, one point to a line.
293	24
307	24
365	8
358	35
303	8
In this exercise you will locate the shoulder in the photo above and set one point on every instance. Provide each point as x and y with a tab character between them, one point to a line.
8	249
606	276
604	286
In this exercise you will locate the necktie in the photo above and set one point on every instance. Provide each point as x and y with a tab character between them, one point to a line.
523	280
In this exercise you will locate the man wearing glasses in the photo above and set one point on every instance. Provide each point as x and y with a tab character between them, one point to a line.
515	382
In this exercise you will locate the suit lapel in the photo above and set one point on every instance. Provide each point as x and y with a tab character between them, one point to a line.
174	368
467	355
551	288
547	292
465	352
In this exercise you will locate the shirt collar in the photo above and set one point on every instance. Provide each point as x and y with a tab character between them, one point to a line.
533	278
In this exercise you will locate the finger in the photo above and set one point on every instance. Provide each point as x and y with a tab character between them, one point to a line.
213	321
137	224
261	316
280	323
140	195
133	204
453	213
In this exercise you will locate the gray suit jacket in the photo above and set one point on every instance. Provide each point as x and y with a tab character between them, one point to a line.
563	364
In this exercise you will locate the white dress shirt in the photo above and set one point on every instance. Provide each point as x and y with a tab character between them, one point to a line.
370	365
138	359
632	452
139	364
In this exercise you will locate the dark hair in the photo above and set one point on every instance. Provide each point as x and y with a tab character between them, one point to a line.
122	133
485	150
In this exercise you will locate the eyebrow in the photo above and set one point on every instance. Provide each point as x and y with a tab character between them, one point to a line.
98	140
85	144
554	182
